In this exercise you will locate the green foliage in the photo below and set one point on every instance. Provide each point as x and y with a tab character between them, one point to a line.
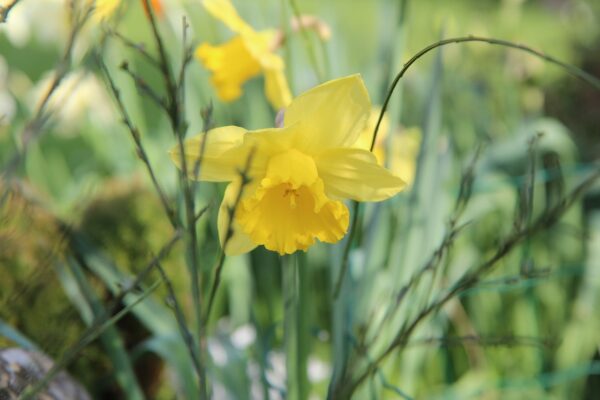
505	140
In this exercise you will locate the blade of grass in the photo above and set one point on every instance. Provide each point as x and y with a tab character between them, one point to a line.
110	338
88	337
14	335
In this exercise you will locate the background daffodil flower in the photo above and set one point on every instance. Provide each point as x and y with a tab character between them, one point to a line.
246	55
403	146
300	173
105	9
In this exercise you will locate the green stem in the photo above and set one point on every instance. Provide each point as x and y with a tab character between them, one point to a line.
312	55
571	69
294	285
346	254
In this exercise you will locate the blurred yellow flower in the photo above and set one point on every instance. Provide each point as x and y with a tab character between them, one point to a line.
299	173
105	9
248	54
403	146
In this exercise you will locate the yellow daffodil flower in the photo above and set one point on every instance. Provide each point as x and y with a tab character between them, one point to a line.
300	173
403	145
246	55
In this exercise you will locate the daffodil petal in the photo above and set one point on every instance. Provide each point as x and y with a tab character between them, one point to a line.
229	149
214	153
404	150
330	115
261	46
225	12
238	242
366	135
264	143
231	65
355	174
277	89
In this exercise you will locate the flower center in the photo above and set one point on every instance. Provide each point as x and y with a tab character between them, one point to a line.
290	210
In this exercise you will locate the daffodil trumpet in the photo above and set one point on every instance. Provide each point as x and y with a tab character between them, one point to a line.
300	174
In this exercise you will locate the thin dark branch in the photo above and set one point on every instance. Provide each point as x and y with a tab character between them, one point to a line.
492	341
181	322
453	230
245	180
164	63
472	278
78	246
144	87
137	47
141	152
176	113
41	115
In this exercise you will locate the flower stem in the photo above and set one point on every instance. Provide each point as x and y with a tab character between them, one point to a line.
294	286
312	55
571	69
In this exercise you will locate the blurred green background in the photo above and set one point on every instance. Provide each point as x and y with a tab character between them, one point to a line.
538	308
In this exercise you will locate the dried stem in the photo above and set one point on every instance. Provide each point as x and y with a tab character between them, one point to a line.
472	278
137	47
181	322
346	254
41	115
141	152
143	86
493	341
245	180
176	113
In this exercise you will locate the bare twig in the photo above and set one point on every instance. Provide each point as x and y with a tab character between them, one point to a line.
245	180
41	115
137	47
141	152
176	113
144	87
491	341
181	322
473	277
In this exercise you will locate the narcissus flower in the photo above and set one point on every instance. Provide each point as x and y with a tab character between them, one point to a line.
402	144
248	54
300	173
